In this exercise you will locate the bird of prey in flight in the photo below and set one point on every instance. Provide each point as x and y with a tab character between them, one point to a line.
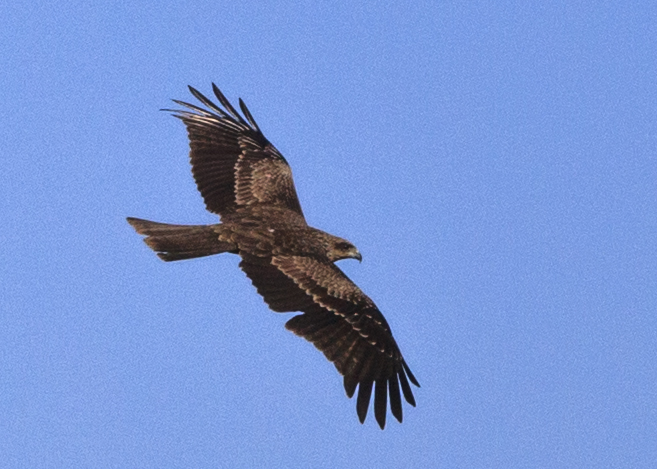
245	180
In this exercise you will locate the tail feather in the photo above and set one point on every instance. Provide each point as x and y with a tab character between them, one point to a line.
177	242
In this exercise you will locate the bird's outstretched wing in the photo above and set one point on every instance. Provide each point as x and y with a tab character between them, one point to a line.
233	163
342	322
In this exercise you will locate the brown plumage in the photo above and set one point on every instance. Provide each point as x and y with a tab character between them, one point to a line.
247	182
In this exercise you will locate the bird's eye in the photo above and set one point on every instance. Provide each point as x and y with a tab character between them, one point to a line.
343	246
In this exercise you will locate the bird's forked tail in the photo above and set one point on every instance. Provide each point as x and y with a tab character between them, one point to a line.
177	242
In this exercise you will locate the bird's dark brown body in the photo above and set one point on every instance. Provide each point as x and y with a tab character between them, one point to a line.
248	183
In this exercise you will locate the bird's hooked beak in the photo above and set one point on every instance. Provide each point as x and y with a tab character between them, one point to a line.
358	256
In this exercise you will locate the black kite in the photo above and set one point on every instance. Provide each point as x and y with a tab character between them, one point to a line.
246	181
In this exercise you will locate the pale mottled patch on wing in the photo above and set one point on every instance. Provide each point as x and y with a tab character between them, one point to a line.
332	289
279	291
263	177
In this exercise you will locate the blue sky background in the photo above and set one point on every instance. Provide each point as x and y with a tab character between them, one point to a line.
495	163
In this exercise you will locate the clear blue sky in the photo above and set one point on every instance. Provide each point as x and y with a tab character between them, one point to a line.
495	163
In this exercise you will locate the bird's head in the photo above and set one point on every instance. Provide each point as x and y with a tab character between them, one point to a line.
343	249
